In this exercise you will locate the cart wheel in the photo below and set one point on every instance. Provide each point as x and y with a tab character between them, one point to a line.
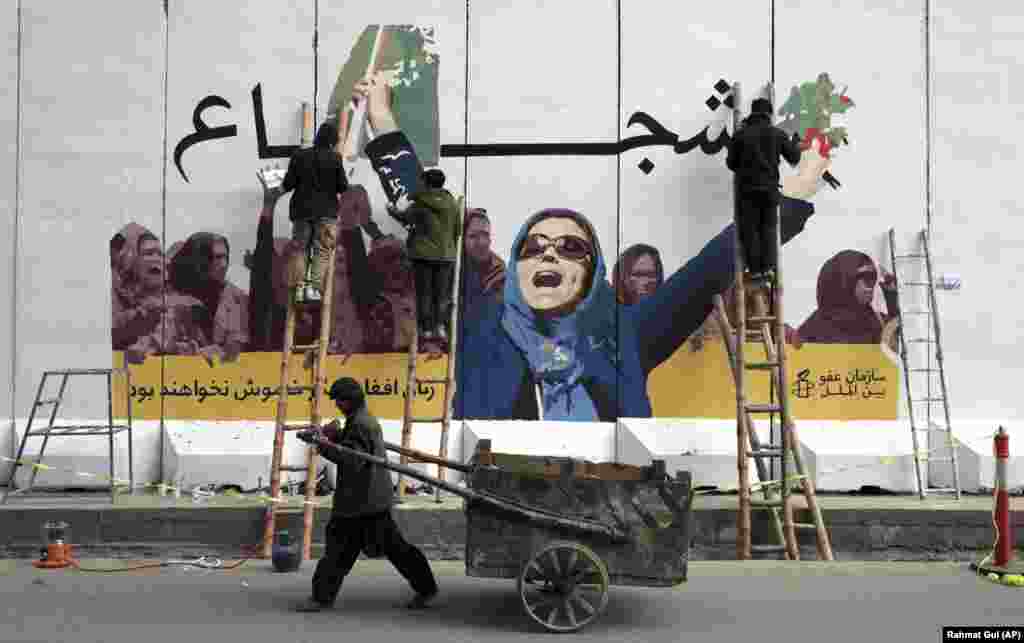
564	586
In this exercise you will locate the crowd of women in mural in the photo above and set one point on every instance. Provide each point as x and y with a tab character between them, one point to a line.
181	303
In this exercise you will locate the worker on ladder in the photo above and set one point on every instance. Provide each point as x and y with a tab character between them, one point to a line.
754	158
434	223
417	198
318	178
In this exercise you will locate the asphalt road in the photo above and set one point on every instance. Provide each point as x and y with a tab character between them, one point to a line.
723	601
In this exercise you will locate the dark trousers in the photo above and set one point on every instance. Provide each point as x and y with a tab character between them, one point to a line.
758	227
433	292
347	537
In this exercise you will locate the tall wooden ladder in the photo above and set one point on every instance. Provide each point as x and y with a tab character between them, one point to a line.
412	381
768	328
931	371
315	388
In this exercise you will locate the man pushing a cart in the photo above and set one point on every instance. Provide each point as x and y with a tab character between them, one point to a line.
361	519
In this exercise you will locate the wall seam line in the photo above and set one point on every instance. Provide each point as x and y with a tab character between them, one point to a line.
18	151
163	222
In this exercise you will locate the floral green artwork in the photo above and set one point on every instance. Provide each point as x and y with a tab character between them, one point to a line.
808	112
410	53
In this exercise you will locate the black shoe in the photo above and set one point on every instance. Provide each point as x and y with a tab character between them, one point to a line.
311	605
421	601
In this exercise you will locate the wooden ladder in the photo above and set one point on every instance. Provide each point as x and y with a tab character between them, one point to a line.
316	388
448	382
769	329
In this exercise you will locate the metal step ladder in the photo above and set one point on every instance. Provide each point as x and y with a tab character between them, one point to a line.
412	381
53	430
931	370
769	329
316	387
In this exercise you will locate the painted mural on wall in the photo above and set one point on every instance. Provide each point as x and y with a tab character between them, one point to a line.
410	54
547	329
808	112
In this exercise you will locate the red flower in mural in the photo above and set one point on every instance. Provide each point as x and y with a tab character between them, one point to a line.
815	134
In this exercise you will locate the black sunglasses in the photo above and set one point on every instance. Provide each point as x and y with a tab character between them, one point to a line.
568	246
867	276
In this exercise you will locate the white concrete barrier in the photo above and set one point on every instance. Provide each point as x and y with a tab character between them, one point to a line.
840	456
70	455
846	456
974	454
225	453
704	447
239	453
7	448
594	441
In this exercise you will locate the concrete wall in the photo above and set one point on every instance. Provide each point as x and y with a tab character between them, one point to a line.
92	106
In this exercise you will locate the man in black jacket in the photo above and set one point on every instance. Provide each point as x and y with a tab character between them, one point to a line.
318	178
754	158
361	517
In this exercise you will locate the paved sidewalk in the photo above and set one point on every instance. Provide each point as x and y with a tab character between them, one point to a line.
727	601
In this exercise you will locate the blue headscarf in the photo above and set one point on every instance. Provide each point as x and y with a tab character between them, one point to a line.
557	350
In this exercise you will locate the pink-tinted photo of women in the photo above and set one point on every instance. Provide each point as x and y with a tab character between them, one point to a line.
147	318
198	269
847	285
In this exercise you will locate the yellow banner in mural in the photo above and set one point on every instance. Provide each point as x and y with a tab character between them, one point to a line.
826	382
188	388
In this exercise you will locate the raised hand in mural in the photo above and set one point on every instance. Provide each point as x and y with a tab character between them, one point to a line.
338	351
150	309
888	281
226	354
804	184
212	354
271	179
377	90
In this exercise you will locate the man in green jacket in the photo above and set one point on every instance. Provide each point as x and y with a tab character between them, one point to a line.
361	516
434	222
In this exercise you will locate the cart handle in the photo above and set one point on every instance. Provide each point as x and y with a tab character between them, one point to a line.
398	468
428	458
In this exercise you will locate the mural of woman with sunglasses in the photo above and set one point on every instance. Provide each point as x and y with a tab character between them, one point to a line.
846	290
557	346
